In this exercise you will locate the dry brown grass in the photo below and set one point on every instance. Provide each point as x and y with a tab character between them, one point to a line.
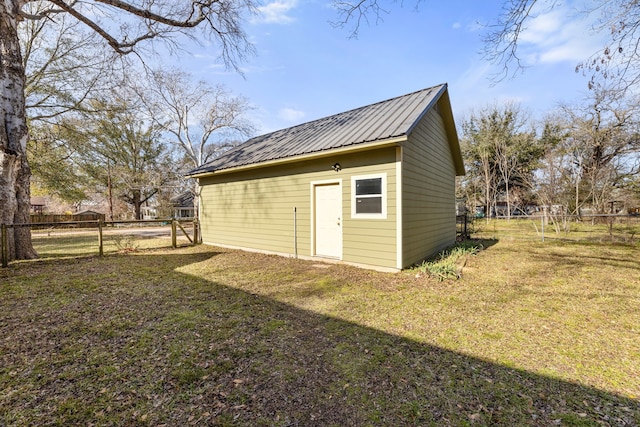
533	334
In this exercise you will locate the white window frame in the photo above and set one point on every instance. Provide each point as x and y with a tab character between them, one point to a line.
381	215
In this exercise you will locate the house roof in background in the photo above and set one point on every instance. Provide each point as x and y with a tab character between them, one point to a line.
88	212
183	200
38	201
381	121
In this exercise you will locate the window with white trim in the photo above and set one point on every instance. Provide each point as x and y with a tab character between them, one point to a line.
369	196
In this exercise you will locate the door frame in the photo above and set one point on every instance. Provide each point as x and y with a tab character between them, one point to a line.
313	185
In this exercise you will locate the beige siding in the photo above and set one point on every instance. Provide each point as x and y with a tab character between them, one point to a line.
372	241
255	209
428	182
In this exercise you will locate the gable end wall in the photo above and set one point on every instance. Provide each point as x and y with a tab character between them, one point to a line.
428	191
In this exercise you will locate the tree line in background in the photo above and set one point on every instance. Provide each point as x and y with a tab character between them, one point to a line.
585	155
72	107
580	157
105	129
96	132
91	42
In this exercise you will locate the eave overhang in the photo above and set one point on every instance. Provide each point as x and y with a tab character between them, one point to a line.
391	142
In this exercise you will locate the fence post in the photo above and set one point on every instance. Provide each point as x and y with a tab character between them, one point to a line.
196	232
467	235
5	247
100	239
174	238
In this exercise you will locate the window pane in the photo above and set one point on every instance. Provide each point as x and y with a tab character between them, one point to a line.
368	186
369	205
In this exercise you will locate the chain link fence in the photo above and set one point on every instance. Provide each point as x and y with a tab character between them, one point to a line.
85	238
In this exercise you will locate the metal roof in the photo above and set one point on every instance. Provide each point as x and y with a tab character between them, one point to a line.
388	119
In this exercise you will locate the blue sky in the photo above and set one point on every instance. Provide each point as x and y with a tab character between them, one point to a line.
305	68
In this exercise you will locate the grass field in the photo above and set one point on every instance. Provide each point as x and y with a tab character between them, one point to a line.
533	333
60	242
622	229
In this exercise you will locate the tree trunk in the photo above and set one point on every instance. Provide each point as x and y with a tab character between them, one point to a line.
15	173
137	204
110	190
508	201
487	194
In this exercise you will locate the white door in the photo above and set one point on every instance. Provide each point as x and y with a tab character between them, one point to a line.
328	220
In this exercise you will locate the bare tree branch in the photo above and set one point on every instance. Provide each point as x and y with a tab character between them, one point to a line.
198	116
616	64
137	22
501	43
355	13
62	66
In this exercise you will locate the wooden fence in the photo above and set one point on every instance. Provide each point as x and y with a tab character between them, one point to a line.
99	227
83	220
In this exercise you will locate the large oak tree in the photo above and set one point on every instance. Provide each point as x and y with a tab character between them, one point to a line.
123	26
122	152
602	147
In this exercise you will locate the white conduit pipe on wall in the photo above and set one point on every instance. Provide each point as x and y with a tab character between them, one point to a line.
295	232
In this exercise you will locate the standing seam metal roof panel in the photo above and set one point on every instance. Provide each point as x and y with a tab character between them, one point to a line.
383	120
398	116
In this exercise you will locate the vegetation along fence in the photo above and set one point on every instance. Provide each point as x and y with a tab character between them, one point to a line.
82	238
611	228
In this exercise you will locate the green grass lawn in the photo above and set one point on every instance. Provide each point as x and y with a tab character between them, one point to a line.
534	333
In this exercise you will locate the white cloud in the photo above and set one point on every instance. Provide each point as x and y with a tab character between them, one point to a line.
291	115
558	35
475	76
539	29
277	12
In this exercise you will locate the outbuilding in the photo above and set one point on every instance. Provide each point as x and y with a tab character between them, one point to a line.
373	186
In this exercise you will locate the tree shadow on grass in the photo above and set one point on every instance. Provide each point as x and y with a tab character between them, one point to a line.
486	243
176	349
602	258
